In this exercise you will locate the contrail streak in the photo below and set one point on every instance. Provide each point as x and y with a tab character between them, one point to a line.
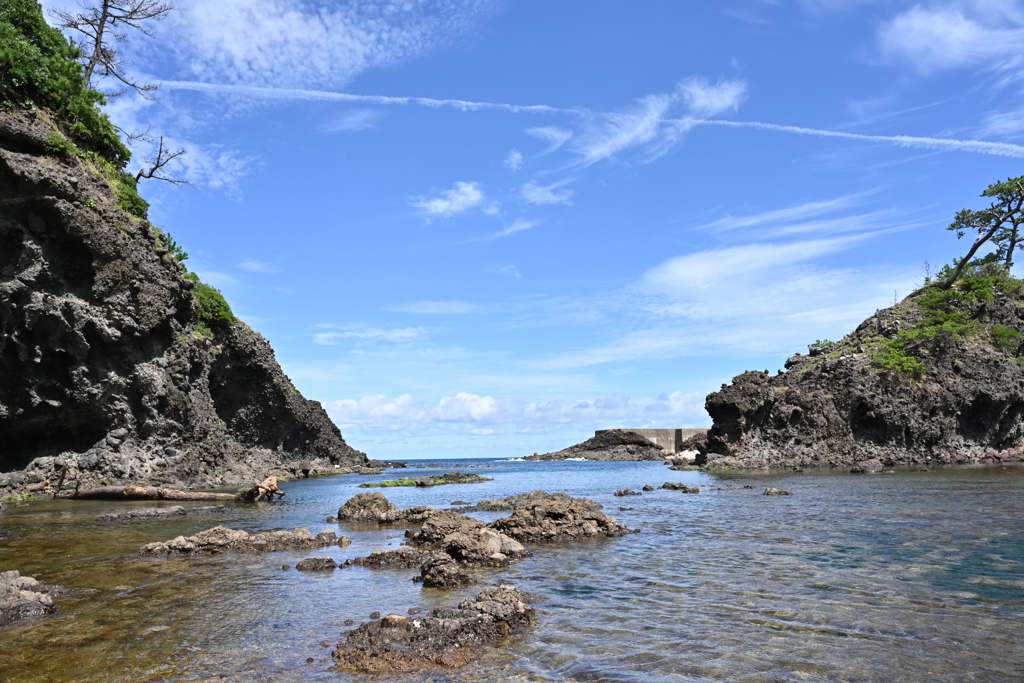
1004	149
327	96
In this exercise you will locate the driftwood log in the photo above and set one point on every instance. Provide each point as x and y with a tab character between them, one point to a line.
147	493
265	490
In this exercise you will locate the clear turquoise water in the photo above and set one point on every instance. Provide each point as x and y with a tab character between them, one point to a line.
916	576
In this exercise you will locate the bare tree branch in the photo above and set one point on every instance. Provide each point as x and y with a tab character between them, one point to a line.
157	165
104	24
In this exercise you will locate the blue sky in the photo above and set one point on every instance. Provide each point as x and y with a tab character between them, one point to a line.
475	228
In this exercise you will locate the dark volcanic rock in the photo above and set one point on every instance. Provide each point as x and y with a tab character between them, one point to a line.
317	564
101	366
512	502
676	486
406	557
839	406
627	492
776	492
23	597
172	512
220	539
430	480
615	444
368	507
558	521
444	572
446	638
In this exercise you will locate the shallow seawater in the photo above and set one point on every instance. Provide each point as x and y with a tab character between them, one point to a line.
906	577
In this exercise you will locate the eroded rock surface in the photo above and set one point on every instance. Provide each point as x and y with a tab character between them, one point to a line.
512	502
614	444
101	365
554	520
840	406
220	539
23	597
677	486
445	638
171	512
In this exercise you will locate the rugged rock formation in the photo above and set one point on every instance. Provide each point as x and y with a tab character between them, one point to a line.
840	405
546	521
102	365
510	503
220	539
429	480
615	444
446	638
23	597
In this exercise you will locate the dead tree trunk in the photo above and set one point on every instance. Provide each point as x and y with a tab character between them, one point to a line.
265	490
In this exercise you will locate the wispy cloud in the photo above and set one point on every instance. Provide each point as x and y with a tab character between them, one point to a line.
358	119
367	333
255	266
470	413
518	226
276	42
461	197
514	160
536	194
503	269
437	307
932	39
793	213
555	137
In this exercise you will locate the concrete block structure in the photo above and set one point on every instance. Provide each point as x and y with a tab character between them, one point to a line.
669	439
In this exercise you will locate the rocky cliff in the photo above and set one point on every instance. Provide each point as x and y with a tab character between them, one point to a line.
935	379
104	364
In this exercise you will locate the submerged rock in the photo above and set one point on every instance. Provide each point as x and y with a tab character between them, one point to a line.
220	539
23	597
871	466
445	638
776	492
436	480
510	503
172	512
627	492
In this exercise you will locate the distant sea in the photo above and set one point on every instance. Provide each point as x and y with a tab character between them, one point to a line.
914	576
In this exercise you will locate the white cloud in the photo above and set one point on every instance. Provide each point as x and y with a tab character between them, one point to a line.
514	160
1004	124
358	119
556	137
704	99
437	307
503	269
276	42
461	197
932	39
469	413
492	209
807	210
518	226
366	333
536	194
255	266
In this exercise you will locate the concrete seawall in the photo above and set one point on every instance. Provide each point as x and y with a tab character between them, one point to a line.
669	439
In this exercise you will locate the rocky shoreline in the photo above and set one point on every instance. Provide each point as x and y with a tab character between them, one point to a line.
614	444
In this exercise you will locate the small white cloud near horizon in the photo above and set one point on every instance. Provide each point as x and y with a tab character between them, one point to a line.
367	333
514	160
541	195
461	197
468	413
437	307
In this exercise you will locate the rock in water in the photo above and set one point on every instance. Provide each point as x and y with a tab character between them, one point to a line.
220	539
23	597
445	638
614	444
105	365
841	406
317	564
